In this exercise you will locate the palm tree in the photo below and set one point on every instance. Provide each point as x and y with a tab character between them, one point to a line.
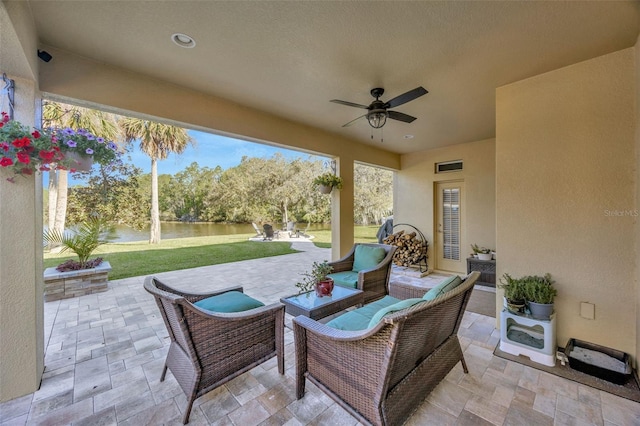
157	140
99	123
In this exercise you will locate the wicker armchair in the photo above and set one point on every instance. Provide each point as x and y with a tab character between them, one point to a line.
381	375
375	281
208	349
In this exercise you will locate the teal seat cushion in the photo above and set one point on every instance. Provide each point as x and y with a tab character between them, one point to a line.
359	319
366	257
347	279
446	285
231	301
403	304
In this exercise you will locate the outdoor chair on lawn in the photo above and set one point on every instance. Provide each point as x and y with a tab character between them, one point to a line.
291	229
379	362
303	232
366	267
216	337
269	233
258	231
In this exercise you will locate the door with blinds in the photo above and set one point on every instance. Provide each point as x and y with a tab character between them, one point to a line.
449	223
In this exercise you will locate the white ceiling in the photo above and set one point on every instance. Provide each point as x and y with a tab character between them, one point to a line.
290	58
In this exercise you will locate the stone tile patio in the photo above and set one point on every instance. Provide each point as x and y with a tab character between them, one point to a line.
105	353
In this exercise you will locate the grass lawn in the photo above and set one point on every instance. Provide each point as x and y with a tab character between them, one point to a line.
139	258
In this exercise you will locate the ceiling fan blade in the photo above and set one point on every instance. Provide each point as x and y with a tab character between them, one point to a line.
400	116
353	121
406	97
337	101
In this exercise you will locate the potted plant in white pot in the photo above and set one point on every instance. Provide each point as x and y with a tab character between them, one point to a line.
327	181
482	253
514	293
84	276
540	294
317	279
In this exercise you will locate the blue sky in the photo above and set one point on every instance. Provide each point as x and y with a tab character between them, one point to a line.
209	151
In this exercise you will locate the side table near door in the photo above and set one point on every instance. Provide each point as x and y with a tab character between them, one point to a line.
487	269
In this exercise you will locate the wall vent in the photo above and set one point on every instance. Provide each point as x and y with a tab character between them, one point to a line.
449	166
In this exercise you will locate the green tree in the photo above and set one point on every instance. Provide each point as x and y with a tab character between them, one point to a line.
99	123
373	194
114	194
185	194
157	140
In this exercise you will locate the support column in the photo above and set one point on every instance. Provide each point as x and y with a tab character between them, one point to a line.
342	210
21	280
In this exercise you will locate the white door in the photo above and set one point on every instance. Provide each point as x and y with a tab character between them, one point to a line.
449	222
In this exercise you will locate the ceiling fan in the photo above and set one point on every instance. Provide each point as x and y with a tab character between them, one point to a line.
378	114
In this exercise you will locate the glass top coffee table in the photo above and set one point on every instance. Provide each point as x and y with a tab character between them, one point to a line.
315	307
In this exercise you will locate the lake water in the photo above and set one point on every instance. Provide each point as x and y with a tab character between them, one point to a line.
170	230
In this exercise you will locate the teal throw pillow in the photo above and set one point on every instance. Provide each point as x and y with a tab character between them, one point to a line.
366	257
446	285
231	301
403	304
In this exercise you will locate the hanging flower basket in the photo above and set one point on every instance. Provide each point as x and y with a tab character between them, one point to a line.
81	163
26	150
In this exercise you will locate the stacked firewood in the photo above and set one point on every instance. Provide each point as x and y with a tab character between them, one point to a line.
410	250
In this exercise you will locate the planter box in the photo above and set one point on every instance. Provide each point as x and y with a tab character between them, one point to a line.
64	285
599	361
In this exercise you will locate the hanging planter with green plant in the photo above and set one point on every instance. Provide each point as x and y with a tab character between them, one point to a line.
327	181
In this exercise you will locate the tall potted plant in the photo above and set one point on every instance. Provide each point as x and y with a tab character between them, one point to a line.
540	294
327	181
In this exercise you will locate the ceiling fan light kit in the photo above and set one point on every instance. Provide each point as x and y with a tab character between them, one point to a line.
377	118
378	114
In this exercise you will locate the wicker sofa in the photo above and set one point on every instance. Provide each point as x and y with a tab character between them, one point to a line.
372	280
210	348
382	373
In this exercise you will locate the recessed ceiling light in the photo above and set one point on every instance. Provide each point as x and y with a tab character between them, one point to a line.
408	136
183	40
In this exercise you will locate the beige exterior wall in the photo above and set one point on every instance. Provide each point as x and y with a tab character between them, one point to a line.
637	224
414	195
21	282
566	170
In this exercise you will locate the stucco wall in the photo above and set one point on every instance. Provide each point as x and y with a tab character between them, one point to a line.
21	282
565	176
637	81
414	193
